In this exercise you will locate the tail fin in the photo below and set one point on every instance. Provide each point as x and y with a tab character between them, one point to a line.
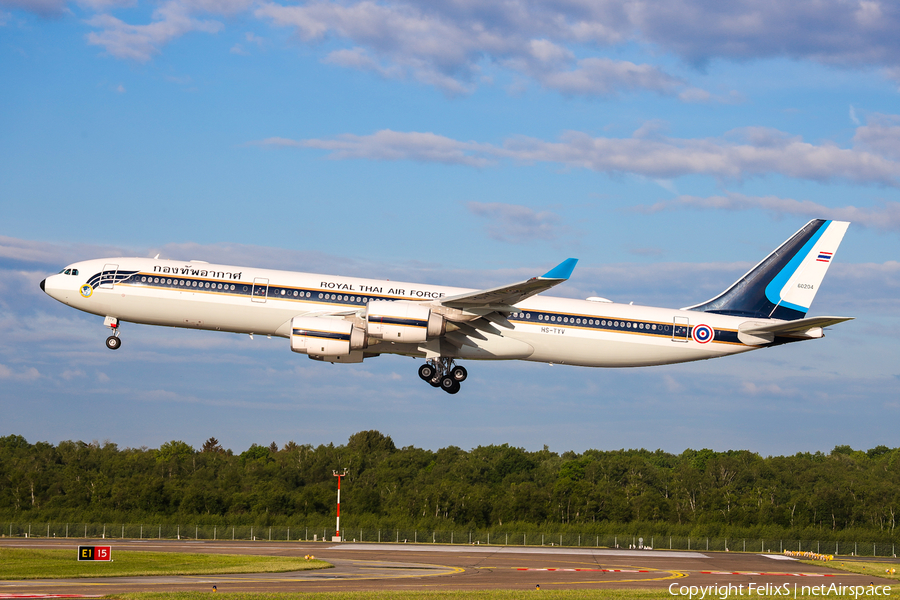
784	284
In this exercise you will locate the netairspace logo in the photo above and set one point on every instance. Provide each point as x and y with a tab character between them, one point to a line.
723	592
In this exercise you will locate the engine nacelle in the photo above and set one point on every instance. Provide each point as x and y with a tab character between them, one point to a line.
318	336
403	322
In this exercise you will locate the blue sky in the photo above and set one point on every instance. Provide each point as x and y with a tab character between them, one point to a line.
667	144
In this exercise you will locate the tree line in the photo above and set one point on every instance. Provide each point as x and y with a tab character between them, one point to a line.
735	493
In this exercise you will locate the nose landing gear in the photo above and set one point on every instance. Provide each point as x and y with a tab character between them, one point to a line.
442	373
113	342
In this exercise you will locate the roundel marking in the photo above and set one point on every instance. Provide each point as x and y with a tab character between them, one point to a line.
703	334
86	290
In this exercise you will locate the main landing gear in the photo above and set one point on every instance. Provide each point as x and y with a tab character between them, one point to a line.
113	342
442	373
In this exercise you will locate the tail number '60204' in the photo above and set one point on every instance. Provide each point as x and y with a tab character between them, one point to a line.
806	286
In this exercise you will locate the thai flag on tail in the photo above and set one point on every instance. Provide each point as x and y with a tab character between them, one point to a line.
825	257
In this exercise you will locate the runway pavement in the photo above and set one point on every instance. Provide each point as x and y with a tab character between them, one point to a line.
360	566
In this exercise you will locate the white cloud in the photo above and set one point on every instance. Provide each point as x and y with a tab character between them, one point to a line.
105	5
447	44
141	42
251	38
358	58
673	386
70	374
763	389
556	67
892	73
517	224
881	135
421	46
19	374
837	32
546	52
44	8
885	217
52	255
218	7
396	145
741	153
605	77
443	43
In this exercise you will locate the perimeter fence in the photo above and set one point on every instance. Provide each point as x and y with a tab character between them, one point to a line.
303	533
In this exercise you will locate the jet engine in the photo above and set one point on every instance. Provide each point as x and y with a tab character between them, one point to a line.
318	336
403	322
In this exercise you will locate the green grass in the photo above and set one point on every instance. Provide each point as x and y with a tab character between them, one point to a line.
875	569
411	595
599	594
23	563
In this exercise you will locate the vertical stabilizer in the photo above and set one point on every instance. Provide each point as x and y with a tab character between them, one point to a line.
784	284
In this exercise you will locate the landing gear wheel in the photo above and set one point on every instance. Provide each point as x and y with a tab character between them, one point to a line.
426	372
441	372
113	343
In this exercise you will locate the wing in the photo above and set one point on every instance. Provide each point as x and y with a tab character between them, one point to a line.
475	316
502	298
490	308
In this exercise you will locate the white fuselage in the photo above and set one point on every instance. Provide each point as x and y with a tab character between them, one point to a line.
262	301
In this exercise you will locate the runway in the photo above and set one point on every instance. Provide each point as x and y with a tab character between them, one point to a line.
361	566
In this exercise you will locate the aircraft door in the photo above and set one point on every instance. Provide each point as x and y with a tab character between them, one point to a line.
108	276
260	289
680	327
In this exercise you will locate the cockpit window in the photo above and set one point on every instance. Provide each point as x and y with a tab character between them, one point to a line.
69	272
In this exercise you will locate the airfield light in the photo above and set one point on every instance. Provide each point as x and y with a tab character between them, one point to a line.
337	527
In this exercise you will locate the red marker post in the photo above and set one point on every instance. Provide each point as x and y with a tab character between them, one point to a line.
337	533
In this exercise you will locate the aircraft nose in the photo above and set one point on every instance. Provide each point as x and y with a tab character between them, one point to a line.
42	285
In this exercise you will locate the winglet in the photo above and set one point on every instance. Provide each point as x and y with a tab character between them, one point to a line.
561	271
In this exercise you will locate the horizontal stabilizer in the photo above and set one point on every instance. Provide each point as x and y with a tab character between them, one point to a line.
756	333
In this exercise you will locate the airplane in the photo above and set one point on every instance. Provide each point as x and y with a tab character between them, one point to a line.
349	319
